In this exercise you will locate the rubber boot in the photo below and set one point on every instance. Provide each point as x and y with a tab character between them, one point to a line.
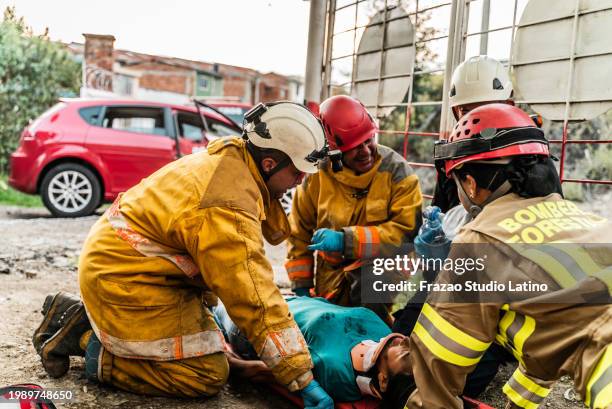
56	351
53	309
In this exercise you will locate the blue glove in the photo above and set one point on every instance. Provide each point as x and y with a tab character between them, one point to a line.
302	292
327	240
315	397
431	241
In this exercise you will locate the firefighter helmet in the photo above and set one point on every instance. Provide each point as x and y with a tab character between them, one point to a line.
480	79
490	132
347	122
290	128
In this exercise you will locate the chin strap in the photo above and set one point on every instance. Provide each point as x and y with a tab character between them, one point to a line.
257	157
475	209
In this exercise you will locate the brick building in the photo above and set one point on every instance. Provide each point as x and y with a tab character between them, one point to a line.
111	72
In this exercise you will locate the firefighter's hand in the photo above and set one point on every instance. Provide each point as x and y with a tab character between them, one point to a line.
315	397
432	241
327	240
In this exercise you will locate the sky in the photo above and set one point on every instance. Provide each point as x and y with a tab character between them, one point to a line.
267	35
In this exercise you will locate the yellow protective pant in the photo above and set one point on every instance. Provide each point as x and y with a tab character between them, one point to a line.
186	378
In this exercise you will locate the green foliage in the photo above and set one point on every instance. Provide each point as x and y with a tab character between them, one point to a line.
10	196
34	72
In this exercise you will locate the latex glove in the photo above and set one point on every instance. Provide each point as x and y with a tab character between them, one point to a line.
431	241
315	397
327	240
302	292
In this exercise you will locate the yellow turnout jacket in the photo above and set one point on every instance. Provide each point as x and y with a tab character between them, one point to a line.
166	248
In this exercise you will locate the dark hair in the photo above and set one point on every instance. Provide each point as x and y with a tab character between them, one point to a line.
261	153
529	175
398	390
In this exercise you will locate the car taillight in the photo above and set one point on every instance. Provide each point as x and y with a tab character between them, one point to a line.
26	135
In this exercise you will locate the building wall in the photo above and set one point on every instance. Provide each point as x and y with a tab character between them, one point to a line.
143	75
273	87
208	85
162	96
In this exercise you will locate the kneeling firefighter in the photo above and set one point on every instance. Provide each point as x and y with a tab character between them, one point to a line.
161	254
500	162
363	204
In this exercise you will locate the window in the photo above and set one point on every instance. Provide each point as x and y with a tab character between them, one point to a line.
220	129
123	84
91	115
136	119
203	83
190	126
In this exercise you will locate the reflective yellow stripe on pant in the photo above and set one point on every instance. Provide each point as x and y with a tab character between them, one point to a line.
599	385
446	341
525	391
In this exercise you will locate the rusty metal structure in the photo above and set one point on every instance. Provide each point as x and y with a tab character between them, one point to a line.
381	51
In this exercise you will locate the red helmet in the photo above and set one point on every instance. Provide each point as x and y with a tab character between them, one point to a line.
346	121
491	131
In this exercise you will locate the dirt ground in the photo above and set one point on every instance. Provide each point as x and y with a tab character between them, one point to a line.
38	256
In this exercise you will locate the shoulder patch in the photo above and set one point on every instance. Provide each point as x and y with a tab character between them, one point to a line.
394	163
232	185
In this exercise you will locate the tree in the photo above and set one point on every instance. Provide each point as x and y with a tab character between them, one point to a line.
34	72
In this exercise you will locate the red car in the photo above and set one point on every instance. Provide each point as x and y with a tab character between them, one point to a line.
234	110
83	152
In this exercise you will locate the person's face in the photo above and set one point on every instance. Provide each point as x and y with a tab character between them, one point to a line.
283	180
477	195
393	360
361	158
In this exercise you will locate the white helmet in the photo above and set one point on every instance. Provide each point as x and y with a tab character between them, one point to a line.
480	79
290	128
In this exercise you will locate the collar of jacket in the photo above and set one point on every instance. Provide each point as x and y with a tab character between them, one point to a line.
275	225
348	176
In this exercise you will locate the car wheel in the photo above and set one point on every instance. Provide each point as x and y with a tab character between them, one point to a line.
70	190
287	200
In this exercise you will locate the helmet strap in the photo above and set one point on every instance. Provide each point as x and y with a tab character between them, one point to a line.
475	209
257	156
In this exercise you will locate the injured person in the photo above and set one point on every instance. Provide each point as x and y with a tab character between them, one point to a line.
353	351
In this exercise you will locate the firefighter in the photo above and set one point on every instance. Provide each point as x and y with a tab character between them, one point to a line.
364	203
478	81
500	162
169	246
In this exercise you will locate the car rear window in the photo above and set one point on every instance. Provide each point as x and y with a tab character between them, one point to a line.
91	115
136	119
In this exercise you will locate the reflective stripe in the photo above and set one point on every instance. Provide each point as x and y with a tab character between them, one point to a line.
524	391
446	341
514	330
566	263
165	349
605	276
299	268
146	246
553	267
332	257
368	241
279	344
300	382
599	385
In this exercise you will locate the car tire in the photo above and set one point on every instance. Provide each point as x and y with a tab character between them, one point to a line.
70	190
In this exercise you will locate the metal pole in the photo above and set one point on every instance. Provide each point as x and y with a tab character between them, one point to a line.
453	53
314	54
570	84
484	26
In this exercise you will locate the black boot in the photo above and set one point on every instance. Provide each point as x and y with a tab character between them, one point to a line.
55	351
53	308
